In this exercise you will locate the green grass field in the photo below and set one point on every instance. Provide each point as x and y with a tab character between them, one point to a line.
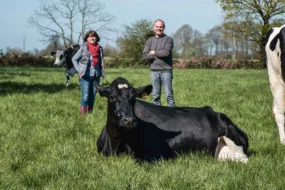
46	144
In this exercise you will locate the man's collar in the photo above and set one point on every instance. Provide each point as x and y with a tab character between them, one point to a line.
159	36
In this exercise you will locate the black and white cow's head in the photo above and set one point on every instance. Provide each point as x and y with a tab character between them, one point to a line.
64	57
60	57
121	100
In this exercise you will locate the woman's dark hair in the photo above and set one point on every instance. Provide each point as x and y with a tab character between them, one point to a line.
91	33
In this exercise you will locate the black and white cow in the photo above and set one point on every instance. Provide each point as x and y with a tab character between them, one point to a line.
63	57
151	132
275	53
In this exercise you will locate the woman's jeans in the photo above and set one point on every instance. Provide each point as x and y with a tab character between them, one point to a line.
88	90
164	78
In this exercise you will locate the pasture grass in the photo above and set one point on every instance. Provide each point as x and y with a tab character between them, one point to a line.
46	144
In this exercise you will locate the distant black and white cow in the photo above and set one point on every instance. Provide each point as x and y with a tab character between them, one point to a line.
151	132
63	57
275	53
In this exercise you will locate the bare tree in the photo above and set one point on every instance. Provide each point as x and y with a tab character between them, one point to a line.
183	39
188	42
13	51
91	13
68	18
54	42
198	43
208	43
110	51
215	34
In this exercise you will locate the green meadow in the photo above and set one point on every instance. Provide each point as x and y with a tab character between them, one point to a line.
46	144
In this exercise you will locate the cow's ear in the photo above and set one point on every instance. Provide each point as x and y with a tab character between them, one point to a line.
144	91
103	91
52	53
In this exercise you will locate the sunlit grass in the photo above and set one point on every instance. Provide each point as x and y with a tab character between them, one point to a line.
46	144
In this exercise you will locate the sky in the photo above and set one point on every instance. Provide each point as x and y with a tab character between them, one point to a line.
201	15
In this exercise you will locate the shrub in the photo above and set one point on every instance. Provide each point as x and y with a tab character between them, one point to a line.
26	60
215	63
123	63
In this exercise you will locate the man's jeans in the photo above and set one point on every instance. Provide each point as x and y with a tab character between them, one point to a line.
164	78
88	90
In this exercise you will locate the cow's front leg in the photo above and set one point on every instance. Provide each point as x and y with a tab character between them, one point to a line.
278	110
227	150
67	80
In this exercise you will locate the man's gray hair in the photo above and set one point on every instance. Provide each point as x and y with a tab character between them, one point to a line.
160	21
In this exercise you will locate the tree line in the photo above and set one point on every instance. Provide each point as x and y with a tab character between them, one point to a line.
242	34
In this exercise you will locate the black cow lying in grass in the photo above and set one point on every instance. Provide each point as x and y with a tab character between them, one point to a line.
63	57
151	132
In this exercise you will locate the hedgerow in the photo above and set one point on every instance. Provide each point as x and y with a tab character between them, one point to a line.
191	63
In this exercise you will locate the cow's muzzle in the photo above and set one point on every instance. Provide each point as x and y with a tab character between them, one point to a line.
128	122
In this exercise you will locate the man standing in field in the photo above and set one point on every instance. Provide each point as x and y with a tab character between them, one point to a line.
158	52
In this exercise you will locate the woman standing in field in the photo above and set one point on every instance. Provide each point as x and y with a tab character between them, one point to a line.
88	61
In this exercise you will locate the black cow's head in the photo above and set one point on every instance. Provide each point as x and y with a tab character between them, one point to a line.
121	100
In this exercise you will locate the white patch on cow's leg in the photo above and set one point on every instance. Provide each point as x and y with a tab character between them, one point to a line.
67	83
228	150
279	118
273	109
221	150
278	92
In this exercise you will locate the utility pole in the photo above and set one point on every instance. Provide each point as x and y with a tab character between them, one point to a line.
117	42
24	43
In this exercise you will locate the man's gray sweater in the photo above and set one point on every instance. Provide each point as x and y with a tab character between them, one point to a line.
162	59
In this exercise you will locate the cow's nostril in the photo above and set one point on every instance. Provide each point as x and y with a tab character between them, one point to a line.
126	120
